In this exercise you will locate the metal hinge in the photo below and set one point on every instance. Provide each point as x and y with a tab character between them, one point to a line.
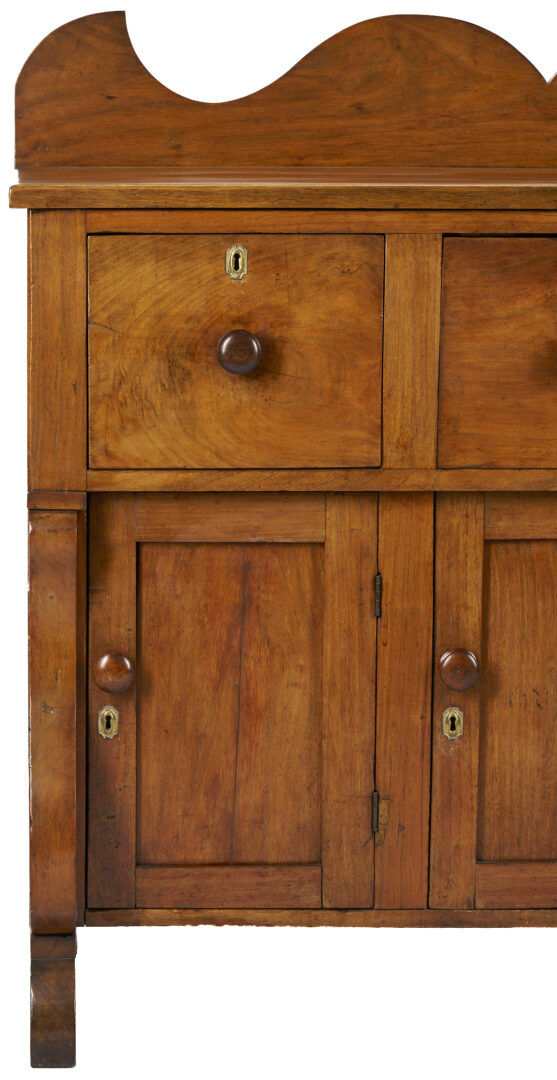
379	817
378	595
375	812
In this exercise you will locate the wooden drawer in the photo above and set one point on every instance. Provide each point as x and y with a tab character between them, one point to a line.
158	397
498	371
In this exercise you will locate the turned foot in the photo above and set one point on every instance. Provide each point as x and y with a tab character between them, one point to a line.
53	1001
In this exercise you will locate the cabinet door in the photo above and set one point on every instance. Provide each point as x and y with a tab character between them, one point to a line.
494	798
242	772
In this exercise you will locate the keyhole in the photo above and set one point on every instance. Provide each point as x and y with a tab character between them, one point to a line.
108	722
452	722
236	261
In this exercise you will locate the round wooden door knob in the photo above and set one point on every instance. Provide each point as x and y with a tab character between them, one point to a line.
239	351
459	669
113	672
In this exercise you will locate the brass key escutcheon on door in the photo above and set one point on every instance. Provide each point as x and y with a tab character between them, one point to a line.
453	723
109	721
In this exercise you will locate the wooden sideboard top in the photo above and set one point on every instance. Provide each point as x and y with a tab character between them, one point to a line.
141	187
396	112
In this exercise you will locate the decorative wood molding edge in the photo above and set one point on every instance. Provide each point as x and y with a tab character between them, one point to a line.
406	90
318	917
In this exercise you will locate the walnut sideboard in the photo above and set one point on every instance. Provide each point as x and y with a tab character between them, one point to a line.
293	492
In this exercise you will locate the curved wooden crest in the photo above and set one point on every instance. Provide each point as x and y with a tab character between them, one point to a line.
399	91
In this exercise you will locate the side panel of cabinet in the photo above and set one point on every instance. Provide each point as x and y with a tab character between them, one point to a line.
494	812
254	723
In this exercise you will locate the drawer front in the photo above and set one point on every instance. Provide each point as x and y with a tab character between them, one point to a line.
158	396
498	371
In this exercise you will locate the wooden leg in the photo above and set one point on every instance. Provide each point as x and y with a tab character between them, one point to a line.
56	702
53	1001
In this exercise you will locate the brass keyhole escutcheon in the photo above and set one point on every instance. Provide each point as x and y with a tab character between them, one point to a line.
109	720
236	262
453	722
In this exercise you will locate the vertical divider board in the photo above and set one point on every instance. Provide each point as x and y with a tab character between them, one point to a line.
349	700
404	656
459	533
112	762
411	349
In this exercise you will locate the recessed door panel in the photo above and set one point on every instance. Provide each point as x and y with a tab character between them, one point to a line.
517	808
229	714
189	598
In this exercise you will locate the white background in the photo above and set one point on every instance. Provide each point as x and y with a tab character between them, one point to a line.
249	1003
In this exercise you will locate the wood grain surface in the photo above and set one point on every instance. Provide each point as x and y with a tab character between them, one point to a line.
247	518
459	528
498	365
112	762
277	810
236	518
53	946
57	500
54	660
53	1013
345	188
517	811
411	350
404	323
494	790
231	643
511	515
57	351
159	480
406	222
414	89
256	725
239	886
349	657
404	659
513	884
188	665
158	397
294	917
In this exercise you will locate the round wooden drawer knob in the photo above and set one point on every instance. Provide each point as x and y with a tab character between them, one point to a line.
459	669
239	352
113	672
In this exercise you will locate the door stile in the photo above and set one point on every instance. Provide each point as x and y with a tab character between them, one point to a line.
404	658
459	534
112	761
349	650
